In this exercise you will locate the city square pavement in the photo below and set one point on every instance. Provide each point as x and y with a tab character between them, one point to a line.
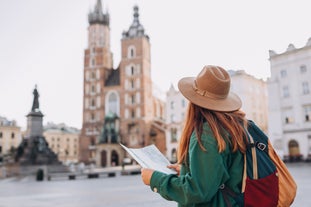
121	190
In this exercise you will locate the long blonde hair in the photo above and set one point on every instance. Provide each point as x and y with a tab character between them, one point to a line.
233	122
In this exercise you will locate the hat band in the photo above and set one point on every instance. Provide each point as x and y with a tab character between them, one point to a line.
206	93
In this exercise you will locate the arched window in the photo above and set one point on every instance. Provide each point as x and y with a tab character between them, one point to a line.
112	103
131	52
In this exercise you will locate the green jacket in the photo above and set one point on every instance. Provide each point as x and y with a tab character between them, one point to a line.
199	181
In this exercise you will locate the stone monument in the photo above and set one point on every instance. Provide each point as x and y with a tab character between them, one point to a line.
34	150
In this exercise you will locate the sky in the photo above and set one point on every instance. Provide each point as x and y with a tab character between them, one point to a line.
42	43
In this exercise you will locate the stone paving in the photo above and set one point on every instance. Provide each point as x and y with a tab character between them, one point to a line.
122	190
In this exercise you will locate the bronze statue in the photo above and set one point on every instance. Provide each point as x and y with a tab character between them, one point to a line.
35	104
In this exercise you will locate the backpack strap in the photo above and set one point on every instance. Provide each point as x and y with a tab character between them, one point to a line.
226	192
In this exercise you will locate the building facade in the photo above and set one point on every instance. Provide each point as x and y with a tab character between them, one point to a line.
64	141
119	105
290	101
176	105
10	138
254	95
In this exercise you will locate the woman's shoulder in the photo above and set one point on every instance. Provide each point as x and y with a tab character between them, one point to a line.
207	136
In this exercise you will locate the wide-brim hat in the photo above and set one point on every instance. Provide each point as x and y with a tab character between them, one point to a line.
210	90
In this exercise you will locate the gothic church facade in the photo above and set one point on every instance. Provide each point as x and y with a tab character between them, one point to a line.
118	103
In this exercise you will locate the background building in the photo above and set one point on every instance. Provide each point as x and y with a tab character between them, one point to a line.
176	105
254	95
119	105
64	141
10	138
290	101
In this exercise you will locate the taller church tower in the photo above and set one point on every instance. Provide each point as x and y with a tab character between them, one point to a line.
97	65
119	106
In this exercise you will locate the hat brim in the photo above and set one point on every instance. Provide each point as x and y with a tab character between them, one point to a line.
231	103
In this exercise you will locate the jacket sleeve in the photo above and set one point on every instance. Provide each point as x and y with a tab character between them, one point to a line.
207	172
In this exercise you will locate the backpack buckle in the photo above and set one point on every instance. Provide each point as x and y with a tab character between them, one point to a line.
261	146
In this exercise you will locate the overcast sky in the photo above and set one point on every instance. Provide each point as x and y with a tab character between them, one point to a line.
42	42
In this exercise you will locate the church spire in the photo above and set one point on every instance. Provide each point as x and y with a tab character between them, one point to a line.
136	29
97	16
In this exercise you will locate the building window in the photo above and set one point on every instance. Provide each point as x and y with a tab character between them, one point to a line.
133	114
288	116
131	52
132	70
172	104
173	135
285	92
113	103
133	99
1	135
307	113
132	84
183	103
305	88
172	118
303	69
283	73
12	135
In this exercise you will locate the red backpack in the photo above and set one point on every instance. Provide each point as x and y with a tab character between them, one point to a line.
266	179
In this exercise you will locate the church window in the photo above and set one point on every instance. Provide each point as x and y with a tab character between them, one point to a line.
98	102
126	113
138	112
113	103
86	103
98	87
97	74
138	83
133	99
132	70
133	114
132	84
93	103
138	97
87	75
131	52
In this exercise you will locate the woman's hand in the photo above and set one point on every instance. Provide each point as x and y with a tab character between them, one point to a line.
146	175
175	167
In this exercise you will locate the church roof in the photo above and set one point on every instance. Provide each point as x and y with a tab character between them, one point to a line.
136	29
97	16
113	77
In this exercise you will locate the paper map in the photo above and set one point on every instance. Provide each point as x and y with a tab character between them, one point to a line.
150	157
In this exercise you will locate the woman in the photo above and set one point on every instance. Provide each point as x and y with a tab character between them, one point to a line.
211	147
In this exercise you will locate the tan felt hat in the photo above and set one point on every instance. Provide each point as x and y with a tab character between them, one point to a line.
210	90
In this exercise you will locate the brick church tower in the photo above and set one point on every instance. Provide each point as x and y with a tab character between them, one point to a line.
119	105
